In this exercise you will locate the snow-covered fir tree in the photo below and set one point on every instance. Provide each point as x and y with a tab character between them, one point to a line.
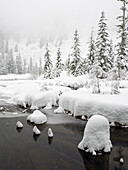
16	48
96	73
67	65
3	64
58	65
75	62
48	64
19	66
30	67
40	66
35	71
25	66
122	54
91	51
103	45
11	67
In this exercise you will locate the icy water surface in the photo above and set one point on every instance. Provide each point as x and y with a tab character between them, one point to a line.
20	150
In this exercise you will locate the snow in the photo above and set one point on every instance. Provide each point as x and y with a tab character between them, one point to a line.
81	102
36	131
121	160
37	117
96	135
16	77
19	124
50	133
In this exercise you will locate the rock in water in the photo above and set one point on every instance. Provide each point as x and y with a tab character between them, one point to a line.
37	117
19	124
36	131
96	135
50	133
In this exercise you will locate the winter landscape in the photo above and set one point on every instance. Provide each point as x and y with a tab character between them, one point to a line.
64	85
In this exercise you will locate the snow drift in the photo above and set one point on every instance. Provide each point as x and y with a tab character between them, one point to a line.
113	107
96	135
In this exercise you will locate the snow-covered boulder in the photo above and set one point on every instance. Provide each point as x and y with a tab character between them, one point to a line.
36	131
50	133
96	135
37	117
19	124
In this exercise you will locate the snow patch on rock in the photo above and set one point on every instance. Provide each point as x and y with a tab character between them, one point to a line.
36	131
19	124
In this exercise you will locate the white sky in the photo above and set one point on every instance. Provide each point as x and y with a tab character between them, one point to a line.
52	17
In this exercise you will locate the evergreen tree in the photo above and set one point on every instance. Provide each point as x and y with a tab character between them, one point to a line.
122	56
58	65
76	57
24	66
30	69
6	47
92	50
48	64
103	45
111	54
3	67
40	66
11	68
35	71
16	48
19	67
3	64
67	65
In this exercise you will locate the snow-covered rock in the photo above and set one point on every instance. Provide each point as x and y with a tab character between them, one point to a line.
50	132
37	117
96	135
19	124
121	160
36	131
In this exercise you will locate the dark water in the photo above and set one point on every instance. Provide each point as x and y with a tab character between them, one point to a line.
20	150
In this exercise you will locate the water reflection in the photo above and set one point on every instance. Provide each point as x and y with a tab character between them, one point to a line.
100	162
35	137
50	140
19	129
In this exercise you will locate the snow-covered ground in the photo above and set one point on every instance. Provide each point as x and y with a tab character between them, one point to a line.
47	93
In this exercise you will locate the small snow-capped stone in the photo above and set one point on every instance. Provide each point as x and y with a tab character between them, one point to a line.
36	131
112	124
1	108
50	132
19	124
83	117
121	160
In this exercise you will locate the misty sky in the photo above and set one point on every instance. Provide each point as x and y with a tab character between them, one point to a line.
52	17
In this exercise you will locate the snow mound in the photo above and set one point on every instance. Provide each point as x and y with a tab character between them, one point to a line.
79	103
96	135
37	117
36	131
19	124
48	99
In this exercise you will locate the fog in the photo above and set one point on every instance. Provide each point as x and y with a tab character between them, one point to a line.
56	17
